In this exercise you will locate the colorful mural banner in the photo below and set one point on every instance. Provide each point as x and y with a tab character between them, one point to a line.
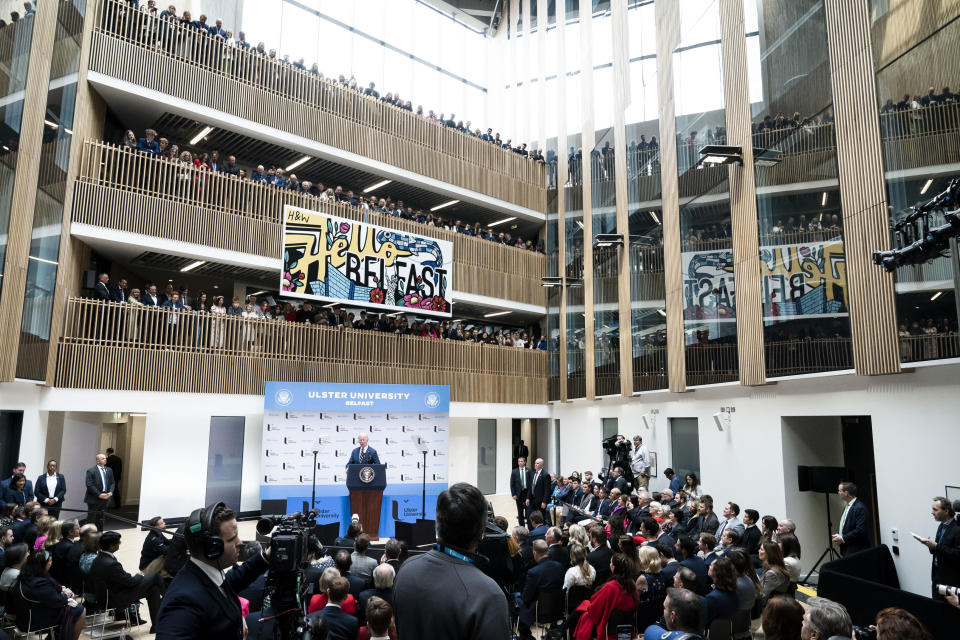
804	280
334	259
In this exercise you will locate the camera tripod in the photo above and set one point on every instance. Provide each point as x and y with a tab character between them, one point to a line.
829	551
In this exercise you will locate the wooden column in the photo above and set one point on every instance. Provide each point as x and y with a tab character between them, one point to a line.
24	195
563	170
88	122
621	100
743	201
668	36
870	291
587	142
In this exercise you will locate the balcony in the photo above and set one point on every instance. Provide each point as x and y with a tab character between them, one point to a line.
120	346
138	193
192	66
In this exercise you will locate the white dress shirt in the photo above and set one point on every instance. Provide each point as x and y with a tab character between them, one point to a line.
51	485
639	459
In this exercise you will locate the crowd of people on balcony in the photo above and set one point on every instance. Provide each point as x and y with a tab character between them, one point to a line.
928	338
268	309
275	176
29	9
226	36
917	114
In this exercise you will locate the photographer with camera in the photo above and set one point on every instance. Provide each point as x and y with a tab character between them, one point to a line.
201	601
945	548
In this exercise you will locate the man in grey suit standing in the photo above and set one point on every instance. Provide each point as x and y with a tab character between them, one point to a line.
100	488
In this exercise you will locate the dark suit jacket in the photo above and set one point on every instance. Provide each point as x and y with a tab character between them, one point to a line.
357	584
43	495
149	301
116	464
605	508
107	573
42	602
16	497
193	602
559	553
95	484
371	452
946	564
25	531
366	594
750	540
599	559
515	480
66	564
538	534
539	490
102	291
340	625
699	567
621	484
546	575
857	529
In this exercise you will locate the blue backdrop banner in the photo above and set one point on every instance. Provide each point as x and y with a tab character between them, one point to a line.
401	420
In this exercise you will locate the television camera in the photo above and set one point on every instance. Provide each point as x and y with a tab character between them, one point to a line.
289	554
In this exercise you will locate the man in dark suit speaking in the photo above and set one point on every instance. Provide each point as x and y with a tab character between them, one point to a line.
364	454
855	529
100	487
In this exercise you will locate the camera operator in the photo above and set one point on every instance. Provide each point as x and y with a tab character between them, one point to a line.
945	547
443	593
201	602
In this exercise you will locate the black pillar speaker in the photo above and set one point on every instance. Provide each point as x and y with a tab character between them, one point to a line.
820	479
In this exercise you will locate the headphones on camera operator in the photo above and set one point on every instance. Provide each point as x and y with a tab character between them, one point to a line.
199	533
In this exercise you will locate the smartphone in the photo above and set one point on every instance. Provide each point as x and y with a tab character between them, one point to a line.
624	632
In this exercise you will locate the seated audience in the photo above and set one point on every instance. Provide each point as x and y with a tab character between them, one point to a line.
546	575
776	578
362	565
154	550
66	557
581	572
825	619
681	614
782	619
43	602
618	594
379	617
651	586
319	601
721	601
383	577
117	589
340	624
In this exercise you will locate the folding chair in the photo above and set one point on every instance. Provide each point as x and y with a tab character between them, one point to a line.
549	610
721	629
741	625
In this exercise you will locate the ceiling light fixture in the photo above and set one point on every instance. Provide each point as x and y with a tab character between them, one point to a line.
656	220
714	154
823	201
493	224
297	163
662	312
373	187
44	260
193	265
52	125
926	186
579	224
444	205
936	295
200	136
257	293
497	313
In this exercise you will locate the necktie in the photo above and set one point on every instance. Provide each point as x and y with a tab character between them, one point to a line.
940	531
536	477
843	518
723	525
103	479
523	479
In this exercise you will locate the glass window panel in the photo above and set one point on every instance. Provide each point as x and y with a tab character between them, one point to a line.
803	271
919	116
14	61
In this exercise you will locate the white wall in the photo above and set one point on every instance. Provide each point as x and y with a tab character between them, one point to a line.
78	452
810	441
463	450
914	417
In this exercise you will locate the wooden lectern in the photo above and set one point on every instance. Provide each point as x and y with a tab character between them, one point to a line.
366	483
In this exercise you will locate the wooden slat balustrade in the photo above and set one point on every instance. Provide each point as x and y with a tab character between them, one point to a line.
123	346
165	56
140	193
